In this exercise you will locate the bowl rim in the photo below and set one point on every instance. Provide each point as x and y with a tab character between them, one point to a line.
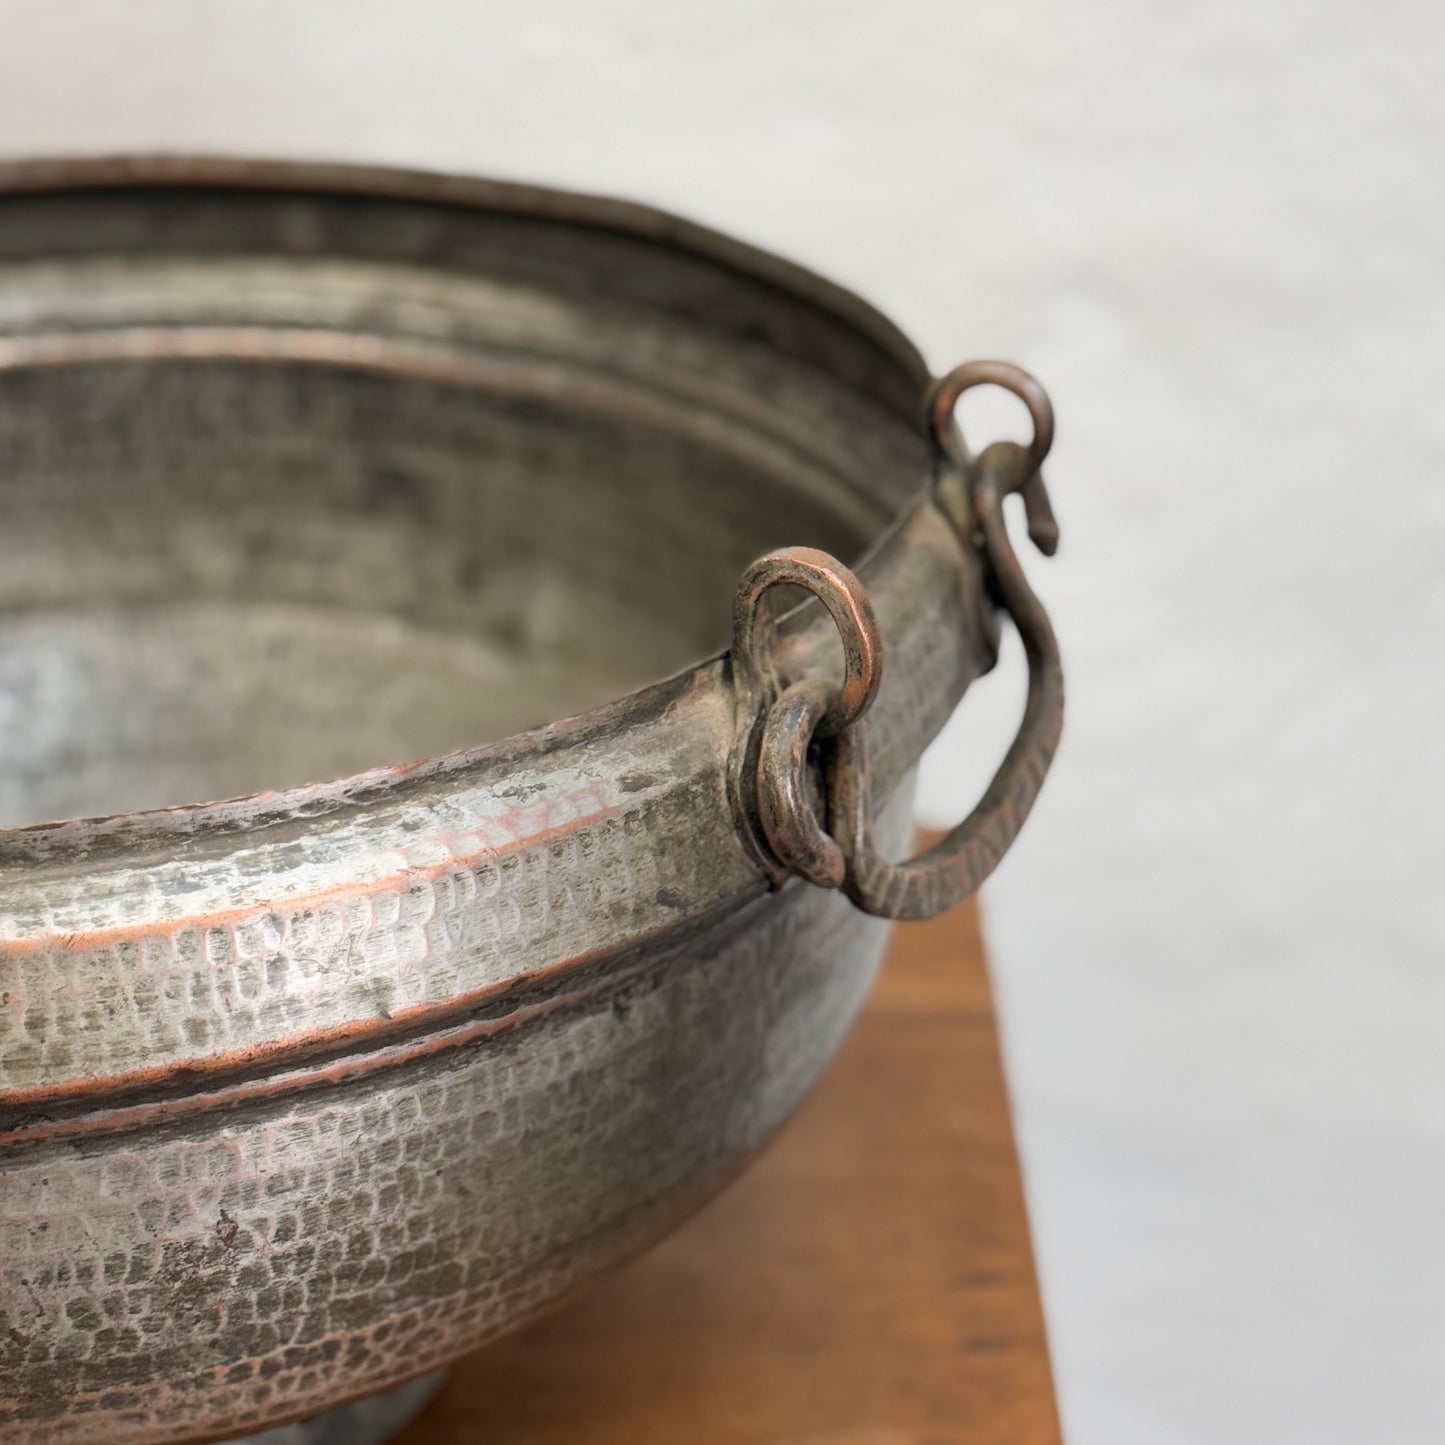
181	171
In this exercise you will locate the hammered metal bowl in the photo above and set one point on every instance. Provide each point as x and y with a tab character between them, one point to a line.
307	470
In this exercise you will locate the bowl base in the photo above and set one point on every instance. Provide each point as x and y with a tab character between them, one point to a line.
362	1422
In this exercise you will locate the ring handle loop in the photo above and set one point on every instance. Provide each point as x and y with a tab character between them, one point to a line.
843	595
786	810
943	396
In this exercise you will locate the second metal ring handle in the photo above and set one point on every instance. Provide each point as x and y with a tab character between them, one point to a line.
954	868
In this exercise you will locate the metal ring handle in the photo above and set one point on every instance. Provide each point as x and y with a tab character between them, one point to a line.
938	879
843	595
943	397
944	394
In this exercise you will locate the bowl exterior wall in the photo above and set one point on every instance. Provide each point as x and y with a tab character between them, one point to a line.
264	1262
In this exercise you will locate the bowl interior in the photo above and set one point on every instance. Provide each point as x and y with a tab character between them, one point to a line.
276	517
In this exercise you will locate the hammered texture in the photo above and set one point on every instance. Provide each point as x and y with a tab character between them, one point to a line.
202	1278
383	934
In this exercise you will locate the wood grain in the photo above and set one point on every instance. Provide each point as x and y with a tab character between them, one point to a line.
869	1282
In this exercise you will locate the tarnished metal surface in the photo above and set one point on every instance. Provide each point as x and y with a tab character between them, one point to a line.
308	470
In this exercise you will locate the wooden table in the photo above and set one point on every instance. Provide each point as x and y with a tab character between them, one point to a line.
868	1282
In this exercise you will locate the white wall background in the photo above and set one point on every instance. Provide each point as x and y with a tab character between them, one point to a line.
1217	231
